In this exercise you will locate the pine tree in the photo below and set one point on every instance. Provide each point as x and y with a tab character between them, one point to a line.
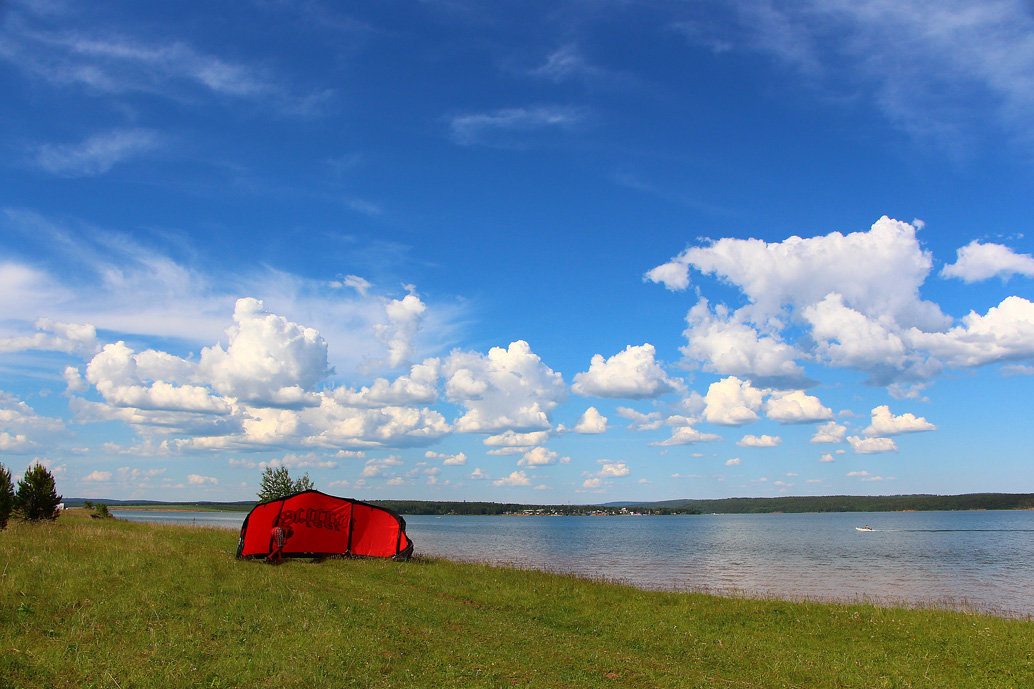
6	496
36	498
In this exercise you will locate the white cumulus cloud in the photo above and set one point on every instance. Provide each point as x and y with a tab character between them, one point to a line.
848	300
884	423
674	275
541	456
458	459
796	407
869	446
848	337
512	439
404	318
612	469
125	378
1005	333
728	346
334	425
517	478
642	422
878	271
687	435
831	432
380	467
759	441
16	415
507	389
977	261
732	402
54	336
631	374
268	359
591	422
16	443
419	386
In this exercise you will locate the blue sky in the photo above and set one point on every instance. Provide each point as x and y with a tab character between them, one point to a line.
540	252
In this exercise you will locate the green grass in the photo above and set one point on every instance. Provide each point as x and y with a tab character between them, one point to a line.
106	603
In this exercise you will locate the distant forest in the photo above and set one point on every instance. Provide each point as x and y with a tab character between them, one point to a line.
826	503
857	503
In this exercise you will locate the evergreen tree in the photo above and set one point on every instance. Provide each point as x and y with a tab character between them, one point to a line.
275	484
6	496
36	498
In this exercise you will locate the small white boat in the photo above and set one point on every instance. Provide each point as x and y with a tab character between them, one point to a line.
859	528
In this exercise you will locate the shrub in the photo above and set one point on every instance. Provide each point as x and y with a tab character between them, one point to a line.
98	510
6	496
36	498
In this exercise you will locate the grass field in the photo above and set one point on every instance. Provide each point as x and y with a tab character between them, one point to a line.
106	603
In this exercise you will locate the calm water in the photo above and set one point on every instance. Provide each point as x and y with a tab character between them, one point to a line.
228	520
983	560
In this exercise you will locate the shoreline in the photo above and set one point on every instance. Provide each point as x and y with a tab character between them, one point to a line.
163	509
929	591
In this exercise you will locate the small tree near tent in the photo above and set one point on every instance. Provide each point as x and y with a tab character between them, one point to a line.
304	483
36	498
6	496
277	483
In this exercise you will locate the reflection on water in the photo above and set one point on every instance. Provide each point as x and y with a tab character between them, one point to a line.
963	559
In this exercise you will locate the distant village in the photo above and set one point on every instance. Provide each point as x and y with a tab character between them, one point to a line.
595	511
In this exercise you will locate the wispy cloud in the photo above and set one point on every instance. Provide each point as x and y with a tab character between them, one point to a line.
119	64
116	283
569	63
563	64
107	61
96	154
511	126
934	69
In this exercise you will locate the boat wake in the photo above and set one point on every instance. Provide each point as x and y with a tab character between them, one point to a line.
858	528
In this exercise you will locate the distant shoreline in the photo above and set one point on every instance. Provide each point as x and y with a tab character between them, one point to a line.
787	505
162	509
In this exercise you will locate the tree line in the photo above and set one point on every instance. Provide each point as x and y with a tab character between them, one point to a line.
857	503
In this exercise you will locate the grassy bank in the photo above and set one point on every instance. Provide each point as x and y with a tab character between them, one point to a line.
105	603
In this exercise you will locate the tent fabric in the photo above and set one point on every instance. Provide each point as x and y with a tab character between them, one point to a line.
323	526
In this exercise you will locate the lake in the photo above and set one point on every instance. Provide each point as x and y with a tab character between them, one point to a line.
980	560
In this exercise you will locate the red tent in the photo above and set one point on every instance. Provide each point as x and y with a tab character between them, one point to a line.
324	525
